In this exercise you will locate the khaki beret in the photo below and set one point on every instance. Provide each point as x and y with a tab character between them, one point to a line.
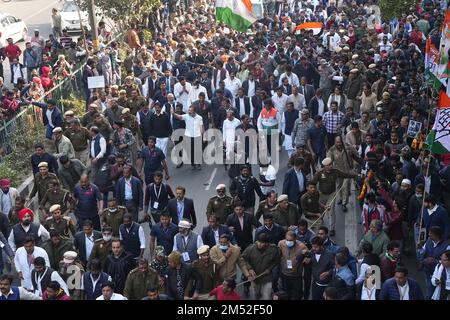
355	56
338	49
282	198
54	207
221	186
372	65
386	94
42	164
57	129
354	70
346	48
69	256
203	249
69	113
327	161
125	110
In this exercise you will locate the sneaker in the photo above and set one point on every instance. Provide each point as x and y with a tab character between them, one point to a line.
344	208
180	165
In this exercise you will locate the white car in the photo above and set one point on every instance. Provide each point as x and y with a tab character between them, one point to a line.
11	27
70	19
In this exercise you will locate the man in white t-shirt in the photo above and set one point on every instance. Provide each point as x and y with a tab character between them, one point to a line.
108	293
229	132
192	135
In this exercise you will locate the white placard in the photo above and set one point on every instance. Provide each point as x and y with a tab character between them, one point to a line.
96	82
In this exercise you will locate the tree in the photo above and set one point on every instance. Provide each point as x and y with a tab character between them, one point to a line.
393	9
122	12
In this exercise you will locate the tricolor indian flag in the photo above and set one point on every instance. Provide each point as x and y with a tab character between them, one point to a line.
236	14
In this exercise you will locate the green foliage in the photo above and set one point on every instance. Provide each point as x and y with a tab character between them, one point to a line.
394	8
7	170
16	165
124	11
76	104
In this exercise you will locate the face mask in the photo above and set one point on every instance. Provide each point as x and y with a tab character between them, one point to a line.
107	238
223	248
289	243
112	209
418	195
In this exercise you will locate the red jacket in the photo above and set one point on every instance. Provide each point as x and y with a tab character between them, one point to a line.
220	295
12	51
377	214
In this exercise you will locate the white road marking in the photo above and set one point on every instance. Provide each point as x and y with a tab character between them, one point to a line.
213	174
42	10
351	224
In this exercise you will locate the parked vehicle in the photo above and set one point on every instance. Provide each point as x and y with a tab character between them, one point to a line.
11	27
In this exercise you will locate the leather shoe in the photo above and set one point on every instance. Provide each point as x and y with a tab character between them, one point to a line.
344	208
179	166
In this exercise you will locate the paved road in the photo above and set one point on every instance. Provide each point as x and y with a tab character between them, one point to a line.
36	14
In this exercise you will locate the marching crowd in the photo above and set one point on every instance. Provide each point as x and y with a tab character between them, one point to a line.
349	104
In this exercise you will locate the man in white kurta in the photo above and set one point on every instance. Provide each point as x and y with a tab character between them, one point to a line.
229	132
181	91
24	262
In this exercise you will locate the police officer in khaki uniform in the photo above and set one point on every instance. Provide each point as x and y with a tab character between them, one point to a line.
80	137
42	181
72	273
344	160
102	246
207	270
139	279
113	216
130	122
267	206
311	206
56	195
220	205
327	178
63	224
285	213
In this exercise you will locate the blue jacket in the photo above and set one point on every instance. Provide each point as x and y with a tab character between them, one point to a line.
208	234
438	218
291	186
429	250
57	118
389	290
136	190
275	234
435	187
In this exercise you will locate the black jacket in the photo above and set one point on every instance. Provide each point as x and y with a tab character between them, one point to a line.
160	126
251	186
325	264
344	291
243	237
80	244
186	275
208	234
118	269
188	211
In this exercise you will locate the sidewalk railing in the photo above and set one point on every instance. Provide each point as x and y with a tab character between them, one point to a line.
64	90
